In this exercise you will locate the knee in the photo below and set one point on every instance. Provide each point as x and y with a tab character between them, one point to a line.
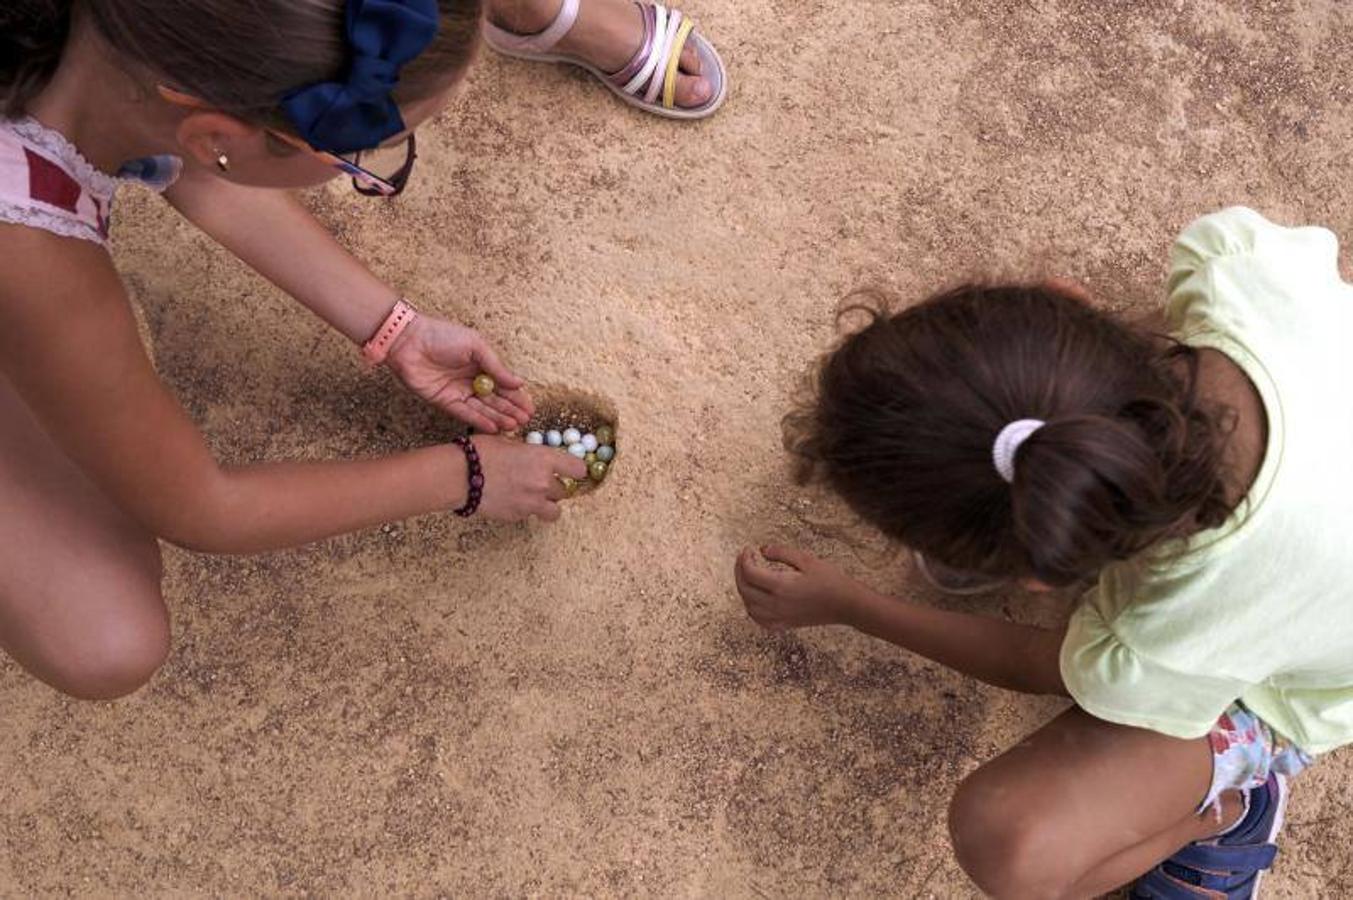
116	654
1006	845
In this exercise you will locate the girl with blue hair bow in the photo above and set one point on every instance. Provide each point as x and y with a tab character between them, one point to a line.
212	101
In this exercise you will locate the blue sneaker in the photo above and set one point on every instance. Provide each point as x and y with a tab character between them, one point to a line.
1230	866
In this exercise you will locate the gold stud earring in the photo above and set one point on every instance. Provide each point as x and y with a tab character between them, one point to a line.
223	162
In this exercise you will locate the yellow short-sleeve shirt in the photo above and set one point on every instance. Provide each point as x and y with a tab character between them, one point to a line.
1259	609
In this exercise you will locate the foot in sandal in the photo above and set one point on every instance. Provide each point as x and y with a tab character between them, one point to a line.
1228	867
649	55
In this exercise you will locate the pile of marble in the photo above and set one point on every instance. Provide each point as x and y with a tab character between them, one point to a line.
597	448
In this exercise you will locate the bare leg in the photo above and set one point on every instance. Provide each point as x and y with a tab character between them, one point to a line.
1080	807
607	34
80	604
1127	865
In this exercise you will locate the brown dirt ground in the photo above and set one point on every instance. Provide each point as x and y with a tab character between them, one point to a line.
427	708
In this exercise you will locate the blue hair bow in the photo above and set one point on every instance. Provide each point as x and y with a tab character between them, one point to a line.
359	113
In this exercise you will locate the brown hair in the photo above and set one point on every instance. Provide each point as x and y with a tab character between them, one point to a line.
241	57
905	412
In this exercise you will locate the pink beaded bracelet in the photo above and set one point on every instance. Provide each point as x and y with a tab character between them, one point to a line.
378	348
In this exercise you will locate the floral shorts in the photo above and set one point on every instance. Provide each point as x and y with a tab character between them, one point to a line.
1245	750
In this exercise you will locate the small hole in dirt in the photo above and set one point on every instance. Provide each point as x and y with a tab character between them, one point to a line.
559	407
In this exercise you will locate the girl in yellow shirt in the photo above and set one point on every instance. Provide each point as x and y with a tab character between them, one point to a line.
1013	434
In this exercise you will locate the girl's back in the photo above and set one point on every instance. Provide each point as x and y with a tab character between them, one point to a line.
1256	608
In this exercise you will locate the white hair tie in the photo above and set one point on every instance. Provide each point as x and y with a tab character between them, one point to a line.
1008	442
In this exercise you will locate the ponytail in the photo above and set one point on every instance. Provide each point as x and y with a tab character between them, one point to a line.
903	418
32	36
1091	489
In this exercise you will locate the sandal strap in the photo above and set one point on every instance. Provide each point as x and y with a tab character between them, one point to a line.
540	42
1219	871
653	72
622	78
655	84
1160	885
1228	858
669	83
641	78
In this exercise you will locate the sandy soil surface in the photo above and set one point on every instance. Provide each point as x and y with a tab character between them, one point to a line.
492	711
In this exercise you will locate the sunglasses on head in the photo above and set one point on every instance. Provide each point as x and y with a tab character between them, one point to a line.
397	160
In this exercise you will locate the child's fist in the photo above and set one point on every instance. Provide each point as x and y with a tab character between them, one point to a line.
806	592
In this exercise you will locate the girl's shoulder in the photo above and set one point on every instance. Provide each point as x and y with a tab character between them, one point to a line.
1235	271
1239	231
49	195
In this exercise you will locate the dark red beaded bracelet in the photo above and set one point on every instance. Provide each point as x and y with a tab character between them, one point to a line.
476	477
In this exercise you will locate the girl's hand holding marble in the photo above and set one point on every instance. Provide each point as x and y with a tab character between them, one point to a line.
439	362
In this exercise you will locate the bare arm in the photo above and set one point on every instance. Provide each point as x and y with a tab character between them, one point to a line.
1005	654
68	343
812	592
272	233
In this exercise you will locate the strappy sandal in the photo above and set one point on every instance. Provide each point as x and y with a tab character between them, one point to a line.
1230	867
649	80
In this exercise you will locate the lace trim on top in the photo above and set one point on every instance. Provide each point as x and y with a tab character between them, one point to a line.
63	226
155	172
54	142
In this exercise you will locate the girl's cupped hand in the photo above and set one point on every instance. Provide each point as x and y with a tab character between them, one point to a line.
438	361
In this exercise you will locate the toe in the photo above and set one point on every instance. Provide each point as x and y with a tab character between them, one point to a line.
690	59
692	91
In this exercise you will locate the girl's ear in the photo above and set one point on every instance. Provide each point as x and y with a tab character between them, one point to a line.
206	136
1034	586
1068	288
